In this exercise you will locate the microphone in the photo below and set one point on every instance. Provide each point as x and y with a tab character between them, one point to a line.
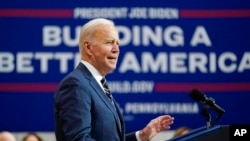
198	96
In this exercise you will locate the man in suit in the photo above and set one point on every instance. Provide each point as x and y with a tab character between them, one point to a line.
84	109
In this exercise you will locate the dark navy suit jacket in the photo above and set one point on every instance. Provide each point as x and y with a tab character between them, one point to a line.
83	112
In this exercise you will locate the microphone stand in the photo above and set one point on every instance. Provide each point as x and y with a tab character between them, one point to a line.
217	118
207	116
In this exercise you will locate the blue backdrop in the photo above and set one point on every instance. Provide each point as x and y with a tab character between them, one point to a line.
167	49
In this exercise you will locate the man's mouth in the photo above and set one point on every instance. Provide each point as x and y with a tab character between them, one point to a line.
112	58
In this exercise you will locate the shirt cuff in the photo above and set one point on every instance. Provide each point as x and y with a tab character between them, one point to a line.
137	136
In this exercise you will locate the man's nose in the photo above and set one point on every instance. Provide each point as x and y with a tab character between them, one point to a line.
115	48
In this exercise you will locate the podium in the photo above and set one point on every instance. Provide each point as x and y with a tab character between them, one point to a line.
216	133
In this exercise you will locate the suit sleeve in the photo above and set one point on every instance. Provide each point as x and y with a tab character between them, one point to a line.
131	137
74	104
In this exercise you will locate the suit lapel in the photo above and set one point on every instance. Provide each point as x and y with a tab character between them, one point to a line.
96	87
115	110
120	118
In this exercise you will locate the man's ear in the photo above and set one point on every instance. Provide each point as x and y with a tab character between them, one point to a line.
87	47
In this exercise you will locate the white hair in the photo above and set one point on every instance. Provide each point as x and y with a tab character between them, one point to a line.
89	28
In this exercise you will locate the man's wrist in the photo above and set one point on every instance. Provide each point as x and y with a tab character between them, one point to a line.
137	136
143	136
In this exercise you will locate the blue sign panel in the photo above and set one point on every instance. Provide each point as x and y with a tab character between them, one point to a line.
166	49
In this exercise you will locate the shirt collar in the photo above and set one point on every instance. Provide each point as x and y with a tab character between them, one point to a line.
98	77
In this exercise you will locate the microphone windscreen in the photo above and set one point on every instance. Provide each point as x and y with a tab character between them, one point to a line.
197	95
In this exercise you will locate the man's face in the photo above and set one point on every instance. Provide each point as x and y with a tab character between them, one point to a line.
105	49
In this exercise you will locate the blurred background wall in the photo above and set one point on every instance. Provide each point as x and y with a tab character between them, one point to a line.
167	49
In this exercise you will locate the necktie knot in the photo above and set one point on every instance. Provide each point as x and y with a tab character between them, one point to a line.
106	88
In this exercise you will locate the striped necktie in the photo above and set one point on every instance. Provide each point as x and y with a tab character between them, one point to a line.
106	88
108	93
